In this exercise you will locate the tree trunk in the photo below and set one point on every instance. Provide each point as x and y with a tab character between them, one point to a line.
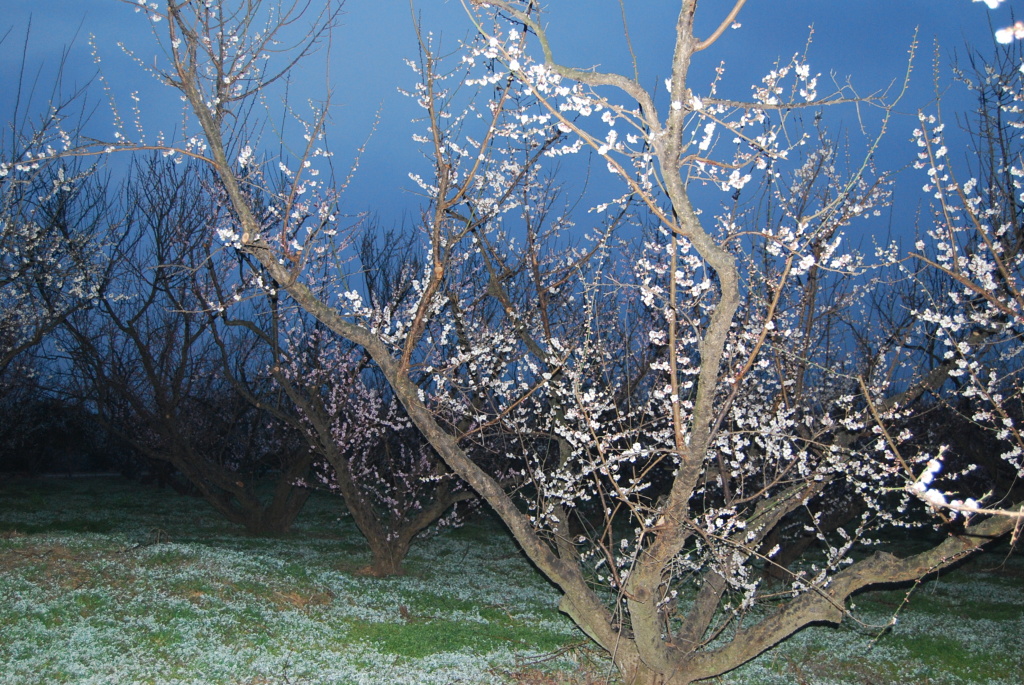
386	558
636	672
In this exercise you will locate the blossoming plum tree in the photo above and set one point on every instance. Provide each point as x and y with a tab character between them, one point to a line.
648	498
976	243
361	445
370	454
52	224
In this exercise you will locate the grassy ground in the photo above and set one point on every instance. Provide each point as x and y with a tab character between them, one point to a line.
102	581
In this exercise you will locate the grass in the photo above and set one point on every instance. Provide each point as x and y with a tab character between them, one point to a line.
960	626
104	581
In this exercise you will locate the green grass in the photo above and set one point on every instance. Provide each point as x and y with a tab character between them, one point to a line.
103	581
67	526
960	626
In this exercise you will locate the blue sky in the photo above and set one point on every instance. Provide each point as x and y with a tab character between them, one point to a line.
865	40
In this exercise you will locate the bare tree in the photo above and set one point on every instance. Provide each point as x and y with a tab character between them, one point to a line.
147	358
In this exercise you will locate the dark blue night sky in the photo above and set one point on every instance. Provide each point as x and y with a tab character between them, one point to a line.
866	41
